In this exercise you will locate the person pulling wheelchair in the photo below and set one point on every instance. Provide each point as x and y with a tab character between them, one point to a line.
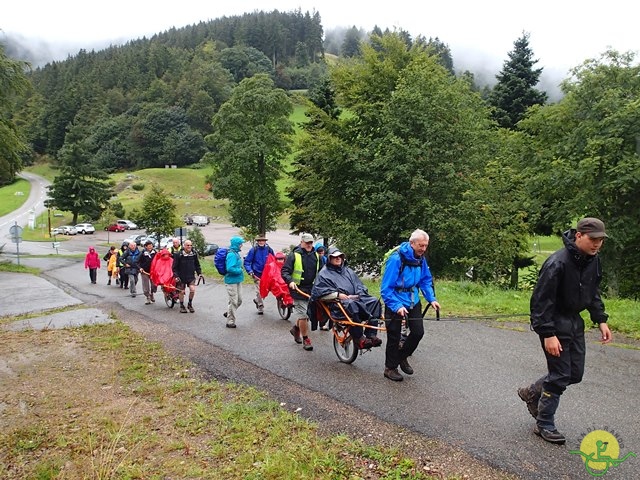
406	275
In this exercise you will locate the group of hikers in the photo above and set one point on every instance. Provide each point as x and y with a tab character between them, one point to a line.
311	273
568	283
175	267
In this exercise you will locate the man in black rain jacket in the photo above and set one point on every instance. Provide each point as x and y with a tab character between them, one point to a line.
568	283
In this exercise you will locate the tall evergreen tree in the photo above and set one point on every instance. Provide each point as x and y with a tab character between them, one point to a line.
351	44
80	188
515	93
12	146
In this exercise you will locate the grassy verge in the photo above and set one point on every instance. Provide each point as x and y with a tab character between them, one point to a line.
13	196
125	409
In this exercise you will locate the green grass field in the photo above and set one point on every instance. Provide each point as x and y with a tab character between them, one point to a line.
186	186
13	196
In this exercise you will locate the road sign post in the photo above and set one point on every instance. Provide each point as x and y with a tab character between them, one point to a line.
16	237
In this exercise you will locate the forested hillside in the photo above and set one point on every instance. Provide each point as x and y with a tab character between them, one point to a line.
150	102
395	139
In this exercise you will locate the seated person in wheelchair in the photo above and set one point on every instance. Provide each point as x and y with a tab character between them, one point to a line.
336	281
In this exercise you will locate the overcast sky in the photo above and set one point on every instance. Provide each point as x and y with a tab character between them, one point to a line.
563	33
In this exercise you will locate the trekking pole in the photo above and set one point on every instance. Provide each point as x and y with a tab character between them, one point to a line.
404	331
424	312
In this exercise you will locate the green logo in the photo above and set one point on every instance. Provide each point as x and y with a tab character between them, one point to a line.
600	450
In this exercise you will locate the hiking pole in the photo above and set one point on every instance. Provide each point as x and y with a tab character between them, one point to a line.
424	312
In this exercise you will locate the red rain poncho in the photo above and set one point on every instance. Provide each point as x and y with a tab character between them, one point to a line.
272	281
162	268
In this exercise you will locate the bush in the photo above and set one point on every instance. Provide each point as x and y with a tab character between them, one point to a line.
138	186
198	241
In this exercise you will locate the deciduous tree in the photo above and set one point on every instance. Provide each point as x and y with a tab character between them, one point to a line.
252	135
585	160
158	214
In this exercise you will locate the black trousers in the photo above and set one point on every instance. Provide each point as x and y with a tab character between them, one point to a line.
394	354
566	369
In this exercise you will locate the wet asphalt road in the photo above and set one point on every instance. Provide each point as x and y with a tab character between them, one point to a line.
463	391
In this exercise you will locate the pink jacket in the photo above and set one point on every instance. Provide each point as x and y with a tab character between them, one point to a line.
92	260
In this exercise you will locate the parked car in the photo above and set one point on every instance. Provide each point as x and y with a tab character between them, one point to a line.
162	243
210	249
69	230
138	239
127	224
57	231
114	227
200	220
85	228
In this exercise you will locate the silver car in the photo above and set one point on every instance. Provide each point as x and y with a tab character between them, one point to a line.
68	230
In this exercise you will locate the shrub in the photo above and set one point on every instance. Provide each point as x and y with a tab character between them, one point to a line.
138	186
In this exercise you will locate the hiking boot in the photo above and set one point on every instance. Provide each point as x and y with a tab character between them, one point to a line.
530	399
261	310
153	299
307	344
375	341
405	367
393	374
190	307
183	309
147	302
231	324
551	436
295	331
364	343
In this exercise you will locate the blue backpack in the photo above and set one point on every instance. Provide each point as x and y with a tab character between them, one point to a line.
220	260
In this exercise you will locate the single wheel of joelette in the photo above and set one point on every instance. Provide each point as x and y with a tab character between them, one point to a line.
284	310
169	300
343	344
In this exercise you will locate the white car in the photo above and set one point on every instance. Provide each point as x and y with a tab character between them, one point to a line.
163	243
127	224
64	230
85	228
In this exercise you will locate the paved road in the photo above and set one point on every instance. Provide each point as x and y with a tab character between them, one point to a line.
33	206
463	391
